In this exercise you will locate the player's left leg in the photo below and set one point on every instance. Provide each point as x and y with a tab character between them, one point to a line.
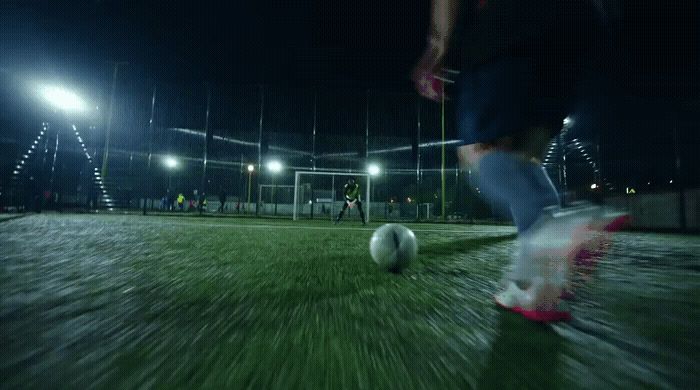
362	213
342	211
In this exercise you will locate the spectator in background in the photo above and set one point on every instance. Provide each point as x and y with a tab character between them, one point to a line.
181	202
222	200
202	204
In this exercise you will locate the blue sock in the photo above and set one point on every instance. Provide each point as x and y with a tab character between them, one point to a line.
520	186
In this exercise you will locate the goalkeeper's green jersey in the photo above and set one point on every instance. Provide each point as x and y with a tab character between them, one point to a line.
352	192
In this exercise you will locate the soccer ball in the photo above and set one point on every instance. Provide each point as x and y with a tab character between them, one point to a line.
393	247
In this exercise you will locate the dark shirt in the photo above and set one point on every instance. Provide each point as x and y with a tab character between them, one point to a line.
537	29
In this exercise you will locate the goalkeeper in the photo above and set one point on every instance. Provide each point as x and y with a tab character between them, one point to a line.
352	199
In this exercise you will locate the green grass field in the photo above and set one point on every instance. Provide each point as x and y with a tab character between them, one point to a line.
183	302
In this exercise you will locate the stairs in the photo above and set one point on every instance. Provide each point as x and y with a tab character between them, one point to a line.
117	192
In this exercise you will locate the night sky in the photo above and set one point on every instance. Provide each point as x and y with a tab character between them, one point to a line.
242	42
652	60
655	43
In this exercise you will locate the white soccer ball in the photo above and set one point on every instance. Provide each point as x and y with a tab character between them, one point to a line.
393	247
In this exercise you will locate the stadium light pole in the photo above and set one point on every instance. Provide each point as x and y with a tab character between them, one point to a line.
442	167
417	150
374	171
313	139
207	137
251	169
110	115
442	120
680	180
149	184
260	139
274	167
171	163
561	140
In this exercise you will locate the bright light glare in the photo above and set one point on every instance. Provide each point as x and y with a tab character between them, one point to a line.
594	186
63	99
274	166
170	162
373	169
251	167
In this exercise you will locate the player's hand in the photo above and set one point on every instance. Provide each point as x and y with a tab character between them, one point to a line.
424	73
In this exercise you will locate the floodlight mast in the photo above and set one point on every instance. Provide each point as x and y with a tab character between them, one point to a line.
149	191
251	169
110	115
275	167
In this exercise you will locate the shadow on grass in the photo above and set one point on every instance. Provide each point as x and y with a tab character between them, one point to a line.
524	355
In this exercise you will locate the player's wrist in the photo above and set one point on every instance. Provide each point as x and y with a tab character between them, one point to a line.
436	41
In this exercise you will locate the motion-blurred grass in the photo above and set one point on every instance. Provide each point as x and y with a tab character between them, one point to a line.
115	301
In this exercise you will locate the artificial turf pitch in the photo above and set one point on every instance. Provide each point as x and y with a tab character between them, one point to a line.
108	301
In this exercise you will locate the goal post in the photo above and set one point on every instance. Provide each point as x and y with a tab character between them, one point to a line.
318	194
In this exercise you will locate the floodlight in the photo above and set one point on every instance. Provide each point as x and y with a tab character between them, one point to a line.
63	99
274	166
251	167
170	162
373	169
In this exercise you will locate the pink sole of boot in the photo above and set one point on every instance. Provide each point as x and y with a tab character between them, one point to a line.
539	315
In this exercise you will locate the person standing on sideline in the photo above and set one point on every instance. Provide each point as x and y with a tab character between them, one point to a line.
222	200
181	202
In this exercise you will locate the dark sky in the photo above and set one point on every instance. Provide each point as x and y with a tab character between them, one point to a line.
653	51
361	41
240	41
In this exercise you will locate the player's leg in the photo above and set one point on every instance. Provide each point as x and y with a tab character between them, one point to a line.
496	105
342	211
362	212
496	112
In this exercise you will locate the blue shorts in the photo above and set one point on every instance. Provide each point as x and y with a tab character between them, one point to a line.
505	97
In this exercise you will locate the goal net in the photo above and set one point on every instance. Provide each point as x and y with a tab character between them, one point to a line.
275	199
319	195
